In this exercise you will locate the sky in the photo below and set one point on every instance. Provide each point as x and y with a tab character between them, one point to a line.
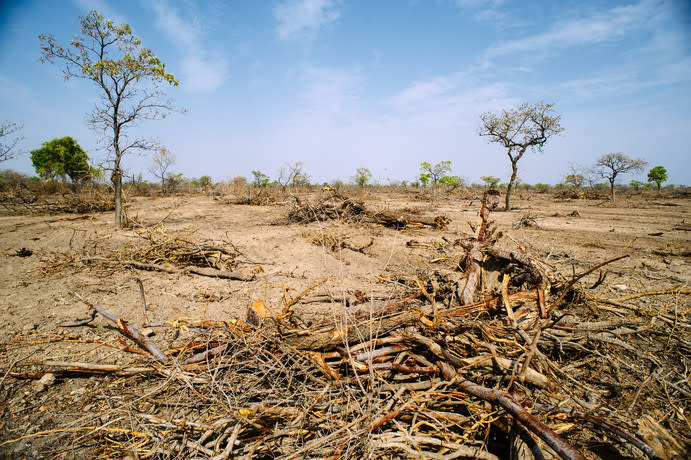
384	85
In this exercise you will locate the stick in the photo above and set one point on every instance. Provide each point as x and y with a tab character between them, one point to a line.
141	291
506	401
129	331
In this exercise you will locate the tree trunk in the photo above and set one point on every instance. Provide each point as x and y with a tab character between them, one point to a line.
611	190
117	187
514	173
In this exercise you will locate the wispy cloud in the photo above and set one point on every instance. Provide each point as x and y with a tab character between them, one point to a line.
203	69
102	7
331	92
304	18
598	27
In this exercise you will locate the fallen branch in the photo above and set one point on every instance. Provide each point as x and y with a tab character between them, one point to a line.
506	401
129	331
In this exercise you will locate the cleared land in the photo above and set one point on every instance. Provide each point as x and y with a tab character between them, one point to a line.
633	370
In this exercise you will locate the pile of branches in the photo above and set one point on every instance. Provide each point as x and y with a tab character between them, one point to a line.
157	250
22	202
161	247
337	207
436	374
262	196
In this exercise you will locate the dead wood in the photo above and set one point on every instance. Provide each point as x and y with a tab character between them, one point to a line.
506	401
129	331
382	379
339	207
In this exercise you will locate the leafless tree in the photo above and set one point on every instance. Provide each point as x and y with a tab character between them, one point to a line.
294	175
127	76
7	128
517	130
163	160
610	165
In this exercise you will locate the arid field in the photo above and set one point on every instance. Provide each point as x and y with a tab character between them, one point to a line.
313	268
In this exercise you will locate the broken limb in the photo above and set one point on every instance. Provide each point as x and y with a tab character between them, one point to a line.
506	401
129	331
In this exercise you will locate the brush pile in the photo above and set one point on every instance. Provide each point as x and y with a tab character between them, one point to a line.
337	207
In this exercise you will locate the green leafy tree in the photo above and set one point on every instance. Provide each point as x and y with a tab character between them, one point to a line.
174	182
541	188
362	176
518	130
205	182
424	179
61	158
611	165
574	180
636	184
658	174
260	179
452	182
434	172
490	181
128	77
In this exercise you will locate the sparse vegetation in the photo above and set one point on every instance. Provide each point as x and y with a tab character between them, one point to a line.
658	174
611	165
163	160
127	75
490	181
433	173
362	176
518	130
61	158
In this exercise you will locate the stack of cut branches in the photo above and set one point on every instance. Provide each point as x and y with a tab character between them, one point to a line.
159	251
338	207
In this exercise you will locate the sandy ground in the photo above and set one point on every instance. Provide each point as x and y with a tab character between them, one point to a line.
37	291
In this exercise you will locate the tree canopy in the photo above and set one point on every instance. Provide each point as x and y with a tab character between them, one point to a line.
611	165
435	172
658	174
362	176
518	130
127	75
61	158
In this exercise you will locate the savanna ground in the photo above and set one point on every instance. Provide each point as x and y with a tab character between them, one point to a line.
46	258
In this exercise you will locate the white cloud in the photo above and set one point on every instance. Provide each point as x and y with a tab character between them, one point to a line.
304	18
421	91
203	69
597	28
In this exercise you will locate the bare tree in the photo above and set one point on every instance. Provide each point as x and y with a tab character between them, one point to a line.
127	75
8	128
163	160
517	130
610	165
294	175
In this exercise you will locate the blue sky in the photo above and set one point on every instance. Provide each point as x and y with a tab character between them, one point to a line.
386	85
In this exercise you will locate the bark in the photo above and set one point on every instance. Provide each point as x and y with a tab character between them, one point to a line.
117	188
514	173
393	219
